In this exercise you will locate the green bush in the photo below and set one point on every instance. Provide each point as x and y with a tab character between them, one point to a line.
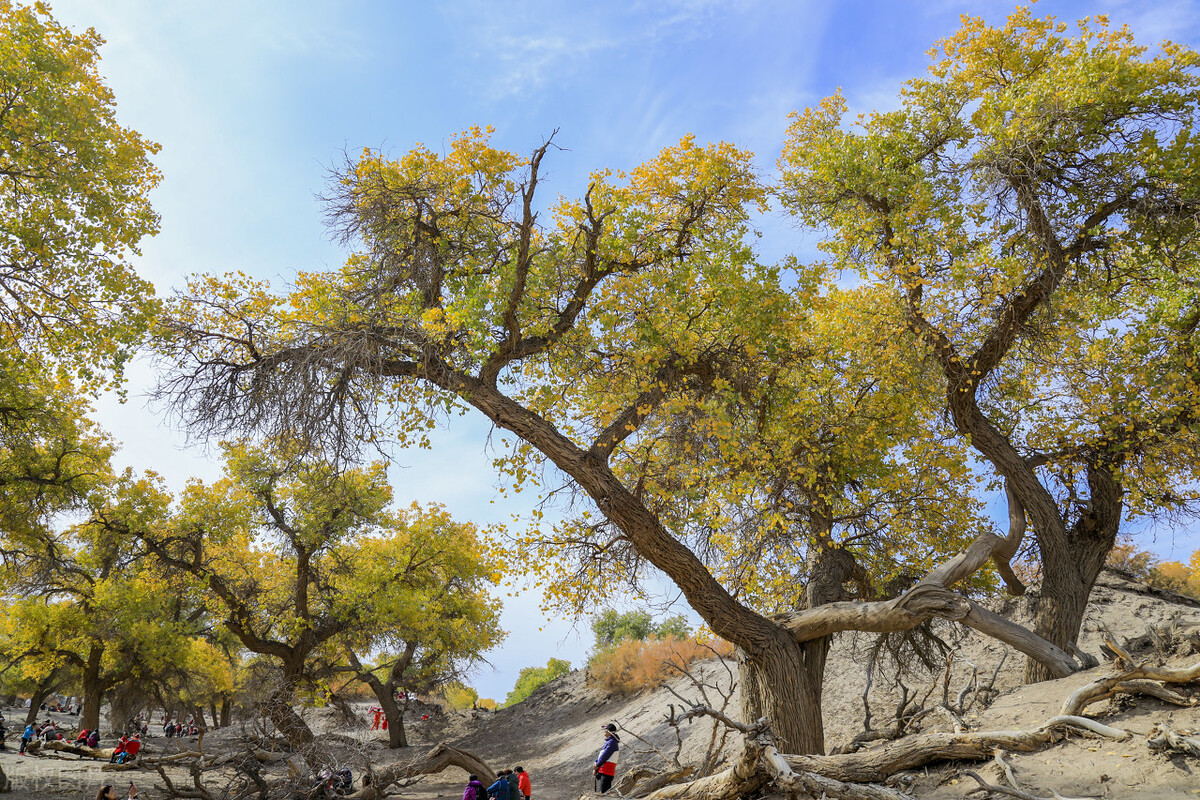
532	678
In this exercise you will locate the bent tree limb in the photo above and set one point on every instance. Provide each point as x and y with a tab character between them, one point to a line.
439	758
933	597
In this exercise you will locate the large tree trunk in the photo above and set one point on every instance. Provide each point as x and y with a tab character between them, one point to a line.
93	691
1071	561
385	693
782	682
43	690
283	713
395	717
226	709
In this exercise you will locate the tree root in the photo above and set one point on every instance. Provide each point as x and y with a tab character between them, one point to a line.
854	776
1165	739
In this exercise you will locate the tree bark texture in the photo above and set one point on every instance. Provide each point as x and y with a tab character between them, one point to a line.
93	692
283	714
439	758
1071	562
782	682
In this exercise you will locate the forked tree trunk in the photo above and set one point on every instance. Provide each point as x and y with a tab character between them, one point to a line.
782	683
39	696
385	693
1069	574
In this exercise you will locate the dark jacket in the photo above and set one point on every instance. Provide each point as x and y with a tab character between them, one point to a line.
514	790
606	762
499	789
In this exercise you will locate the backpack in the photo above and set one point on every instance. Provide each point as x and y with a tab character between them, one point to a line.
343	779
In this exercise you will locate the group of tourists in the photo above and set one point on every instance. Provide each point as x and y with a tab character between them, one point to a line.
511	784
47	732
126	750
177	730
514	784
88	738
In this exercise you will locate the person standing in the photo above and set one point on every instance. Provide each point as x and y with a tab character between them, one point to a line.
523	783
26	737
606	763
514	792
499	789
475	789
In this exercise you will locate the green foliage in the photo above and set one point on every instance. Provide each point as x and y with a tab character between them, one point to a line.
459	696
74	202
530	679
675	627
611	627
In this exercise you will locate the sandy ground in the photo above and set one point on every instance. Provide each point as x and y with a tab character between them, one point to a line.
556	733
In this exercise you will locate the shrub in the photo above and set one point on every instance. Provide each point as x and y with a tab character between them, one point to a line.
533	678
632	665
460	696
487	703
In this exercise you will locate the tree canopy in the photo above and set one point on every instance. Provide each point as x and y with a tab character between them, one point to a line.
1032	204
74	204
634	313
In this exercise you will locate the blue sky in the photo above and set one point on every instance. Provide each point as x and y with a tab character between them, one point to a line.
254	102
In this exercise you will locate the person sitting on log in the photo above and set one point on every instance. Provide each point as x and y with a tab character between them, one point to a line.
131	749
94	739
118	750
82	738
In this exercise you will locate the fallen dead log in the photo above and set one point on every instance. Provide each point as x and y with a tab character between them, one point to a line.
760	766
1165	739
37	745
1131	681
441	757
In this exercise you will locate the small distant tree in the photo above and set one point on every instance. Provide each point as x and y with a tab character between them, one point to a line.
460	696
611	627
270	542
424	613
531	679
675	627
1175	577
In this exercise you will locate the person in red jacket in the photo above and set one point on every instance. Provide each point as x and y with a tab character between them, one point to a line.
523	784
131	749
118	750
